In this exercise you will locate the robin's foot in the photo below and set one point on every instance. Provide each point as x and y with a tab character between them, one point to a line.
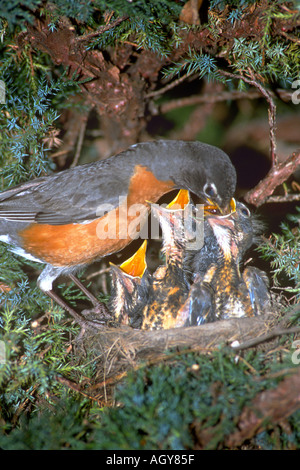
99	317
98	314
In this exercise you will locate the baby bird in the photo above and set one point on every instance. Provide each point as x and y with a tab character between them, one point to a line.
222	291
169	288
131	283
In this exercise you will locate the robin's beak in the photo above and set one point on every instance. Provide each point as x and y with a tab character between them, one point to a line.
136	265
213	208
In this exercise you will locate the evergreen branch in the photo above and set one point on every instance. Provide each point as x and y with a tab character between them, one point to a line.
102	29
168	87
133	41
265	338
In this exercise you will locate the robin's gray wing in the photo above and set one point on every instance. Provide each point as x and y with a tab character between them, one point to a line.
82	193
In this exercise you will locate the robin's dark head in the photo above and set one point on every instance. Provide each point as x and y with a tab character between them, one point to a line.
209	174
203	169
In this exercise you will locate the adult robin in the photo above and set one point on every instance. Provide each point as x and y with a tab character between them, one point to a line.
224	292
73	218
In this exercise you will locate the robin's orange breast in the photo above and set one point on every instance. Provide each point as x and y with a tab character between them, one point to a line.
75	244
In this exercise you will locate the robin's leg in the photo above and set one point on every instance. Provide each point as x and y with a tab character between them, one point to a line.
45	283
77	317
86	292
99	309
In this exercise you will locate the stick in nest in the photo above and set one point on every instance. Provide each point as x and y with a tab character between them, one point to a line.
122	349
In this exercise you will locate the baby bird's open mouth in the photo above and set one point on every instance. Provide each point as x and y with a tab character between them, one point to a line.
213	209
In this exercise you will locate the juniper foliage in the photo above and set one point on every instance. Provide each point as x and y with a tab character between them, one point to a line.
283	252
161	407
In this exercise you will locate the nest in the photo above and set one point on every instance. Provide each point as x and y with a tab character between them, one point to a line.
117	350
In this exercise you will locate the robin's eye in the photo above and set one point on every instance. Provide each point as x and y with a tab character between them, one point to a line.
245	211
210	190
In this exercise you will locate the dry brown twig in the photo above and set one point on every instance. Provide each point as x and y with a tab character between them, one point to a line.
271	111
217	97
279	172
276	176
286	198
101	30
168	87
